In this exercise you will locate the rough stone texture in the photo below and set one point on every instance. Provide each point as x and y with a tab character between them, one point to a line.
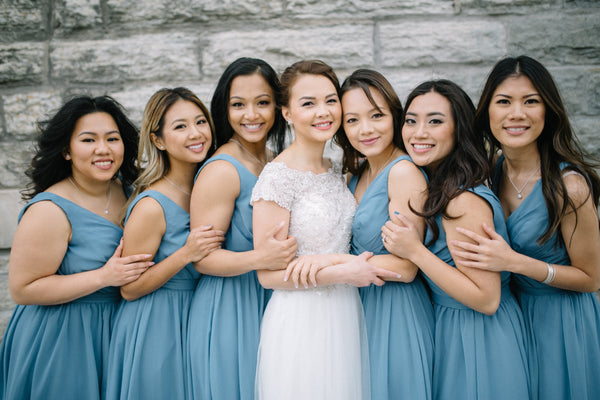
135	58
21	19
285	46
77	14
13	163
22	63
426	42
11	205
556	38
160	12
51	50
341	9
23	110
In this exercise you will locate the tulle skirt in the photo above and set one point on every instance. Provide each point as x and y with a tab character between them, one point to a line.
313	345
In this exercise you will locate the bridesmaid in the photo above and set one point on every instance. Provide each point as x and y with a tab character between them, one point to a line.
228	303
549	193
147	345
65	264
399	315
479	333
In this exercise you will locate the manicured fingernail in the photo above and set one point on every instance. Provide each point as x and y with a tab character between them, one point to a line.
285	278
305	286
296	285
396	212
398	276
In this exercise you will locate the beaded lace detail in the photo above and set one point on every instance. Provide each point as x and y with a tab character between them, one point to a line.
321	206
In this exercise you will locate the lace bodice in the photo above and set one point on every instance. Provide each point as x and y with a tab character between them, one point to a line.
321	206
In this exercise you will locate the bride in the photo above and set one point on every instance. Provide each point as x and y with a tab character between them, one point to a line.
313	339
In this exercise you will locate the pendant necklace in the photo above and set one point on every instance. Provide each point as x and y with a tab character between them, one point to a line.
380	168
519	196
247	152
81	193
177	186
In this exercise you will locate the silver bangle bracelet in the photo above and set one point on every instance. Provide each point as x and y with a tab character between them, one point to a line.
551	274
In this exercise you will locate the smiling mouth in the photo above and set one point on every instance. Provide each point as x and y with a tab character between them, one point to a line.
369	141
252	127
196	147
322	125
422	146
516	130
103	164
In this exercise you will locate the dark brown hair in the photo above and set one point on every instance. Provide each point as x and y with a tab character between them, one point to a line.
556	144
368	80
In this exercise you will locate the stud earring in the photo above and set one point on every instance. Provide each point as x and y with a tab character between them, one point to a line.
67	156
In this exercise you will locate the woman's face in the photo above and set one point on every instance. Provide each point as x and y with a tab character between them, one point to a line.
96	149
428	130
369	128
314	108
186	135
251	108
517	113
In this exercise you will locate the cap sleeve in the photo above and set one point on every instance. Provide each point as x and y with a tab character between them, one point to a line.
276	183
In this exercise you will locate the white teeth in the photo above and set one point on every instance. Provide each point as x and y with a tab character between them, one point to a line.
515	129
322	125
253	126
198	146
103	163
422	146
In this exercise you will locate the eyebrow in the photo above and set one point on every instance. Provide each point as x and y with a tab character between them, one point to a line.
428	114
256	97
201	115
378	109
96	134
510	97
313	97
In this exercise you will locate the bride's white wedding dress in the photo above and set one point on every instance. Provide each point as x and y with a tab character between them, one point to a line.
313	342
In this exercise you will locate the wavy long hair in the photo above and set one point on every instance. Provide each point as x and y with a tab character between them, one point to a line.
556	144
219	105
465	167
156	162
48	165
368	80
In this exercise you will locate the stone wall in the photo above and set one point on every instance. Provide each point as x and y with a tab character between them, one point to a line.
53	49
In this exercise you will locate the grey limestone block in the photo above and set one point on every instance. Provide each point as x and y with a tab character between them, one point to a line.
22	63
341	46
23	110
142	57
428	42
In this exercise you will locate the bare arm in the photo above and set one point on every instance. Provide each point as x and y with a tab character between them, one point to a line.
477	290
212	204
490	252
406	184
39	246
339	268
143	234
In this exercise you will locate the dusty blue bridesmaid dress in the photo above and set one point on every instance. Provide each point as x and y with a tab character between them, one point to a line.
225	315
478	356
147	347
60	351
399	316
564	325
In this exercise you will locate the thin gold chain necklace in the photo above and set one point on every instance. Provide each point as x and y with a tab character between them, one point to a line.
81	193
248	152
177	186
380	168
